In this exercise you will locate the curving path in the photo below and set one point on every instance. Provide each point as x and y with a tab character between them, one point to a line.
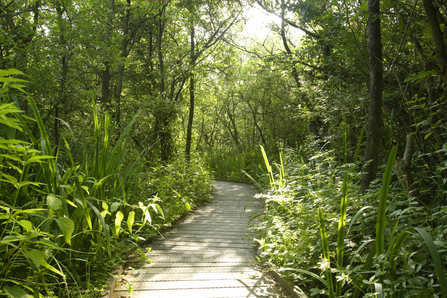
207	254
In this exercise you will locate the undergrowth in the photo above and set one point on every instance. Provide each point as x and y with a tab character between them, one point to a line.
303	238
66	220
228	163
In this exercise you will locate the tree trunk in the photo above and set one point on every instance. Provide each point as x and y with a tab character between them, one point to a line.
191	97
402	167
373	138
234	133
436	34
164	114
64	71
120	78
295	74
160	53
106	76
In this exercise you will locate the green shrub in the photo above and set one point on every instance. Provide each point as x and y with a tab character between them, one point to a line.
310	200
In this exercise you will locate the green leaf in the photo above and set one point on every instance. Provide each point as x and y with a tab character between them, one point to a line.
67	227
104	225
26	224
118	219
356	216
29	211
50	244
24	183
10	179
16	292
436	259
308	273
427	135
9	239
39	158
105	206
147	215
129	288
130	220
160	210
364	6
11	157
342	230
9	72
326	255
53	202
36	256
51	268
114	206
381	216
18	87
188	206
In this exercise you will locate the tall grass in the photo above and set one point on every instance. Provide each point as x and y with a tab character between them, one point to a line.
231	163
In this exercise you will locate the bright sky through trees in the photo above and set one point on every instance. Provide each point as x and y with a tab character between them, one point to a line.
259	24
259	21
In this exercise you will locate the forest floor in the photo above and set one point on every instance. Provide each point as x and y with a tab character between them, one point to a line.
210	253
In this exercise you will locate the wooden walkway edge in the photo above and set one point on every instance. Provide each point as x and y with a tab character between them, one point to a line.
208	254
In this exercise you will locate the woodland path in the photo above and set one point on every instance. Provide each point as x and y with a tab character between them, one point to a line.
207	254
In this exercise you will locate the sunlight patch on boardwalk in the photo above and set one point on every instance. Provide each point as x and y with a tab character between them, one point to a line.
208	254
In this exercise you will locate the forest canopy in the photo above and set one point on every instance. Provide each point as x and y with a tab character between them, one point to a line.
117	115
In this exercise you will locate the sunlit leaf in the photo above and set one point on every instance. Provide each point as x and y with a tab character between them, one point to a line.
26	224
130	220
53	202
67	227
118	219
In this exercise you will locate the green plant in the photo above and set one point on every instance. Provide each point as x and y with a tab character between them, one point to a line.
54	216
233	163
345	250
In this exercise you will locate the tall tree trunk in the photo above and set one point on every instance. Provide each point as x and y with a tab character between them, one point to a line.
436	34
64	71
106	76
120	77
373	138
234	133
163	115
289	52
295	73
160	53
191	96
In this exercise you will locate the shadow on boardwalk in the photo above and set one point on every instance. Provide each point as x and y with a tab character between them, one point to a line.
207	254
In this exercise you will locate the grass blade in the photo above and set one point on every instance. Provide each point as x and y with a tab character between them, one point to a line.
341	231
359	142
325	245
436	259
269	168
381	218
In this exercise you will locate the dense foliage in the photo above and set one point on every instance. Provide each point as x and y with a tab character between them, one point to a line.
315	192
64	222
116	114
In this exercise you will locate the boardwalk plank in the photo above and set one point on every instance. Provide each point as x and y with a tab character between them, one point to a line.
208	254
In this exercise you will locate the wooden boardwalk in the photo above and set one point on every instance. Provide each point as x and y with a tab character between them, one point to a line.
208	254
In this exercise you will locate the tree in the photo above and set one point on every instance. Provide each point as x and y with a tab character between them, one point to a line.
215	30
374	134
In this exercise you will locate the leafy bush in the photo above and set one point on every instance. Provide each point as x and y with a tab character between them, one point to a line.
302	237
